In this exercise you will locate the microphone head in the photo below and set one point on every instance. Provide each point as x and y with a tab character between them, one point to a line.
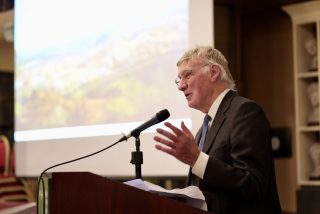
162	115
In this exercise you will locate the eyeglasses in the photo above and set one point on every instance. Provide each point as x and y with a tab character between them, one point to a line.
186	75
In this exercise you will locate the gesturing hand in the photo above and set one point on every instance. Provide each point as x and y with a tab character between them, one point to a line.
179	143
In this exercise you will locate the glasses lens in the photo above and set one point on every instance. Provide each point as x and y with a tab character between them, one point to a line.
177	81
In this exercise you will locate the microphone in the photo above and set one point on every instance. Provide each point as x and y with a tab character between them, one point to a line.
160	116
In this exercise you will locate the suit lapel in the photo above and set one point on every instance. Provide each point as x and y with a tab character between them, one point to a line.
218	121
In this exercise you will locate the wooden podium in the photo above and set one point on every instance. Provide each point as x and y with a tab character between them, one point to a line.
84	192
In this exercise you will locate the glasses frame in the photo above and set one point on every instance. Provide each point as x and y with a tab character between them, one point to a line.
187	74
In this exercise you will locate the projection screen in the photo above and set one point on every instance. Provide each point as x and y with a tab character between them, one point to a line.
87	72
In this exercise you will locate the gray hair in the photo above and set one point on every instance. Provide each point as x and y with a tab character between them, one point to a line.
211	56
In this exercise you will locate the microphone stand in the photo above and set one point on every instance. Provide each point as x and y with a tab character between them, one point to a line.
137	158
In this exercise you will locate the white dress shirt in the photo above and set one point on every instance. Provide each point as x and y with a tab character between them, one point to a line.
200	166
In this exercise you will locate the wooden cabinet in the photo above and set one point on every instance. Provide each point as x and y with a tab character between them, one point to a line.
306	36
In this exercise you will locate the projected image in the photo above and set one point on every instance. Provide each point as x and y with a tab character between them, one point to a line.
91	65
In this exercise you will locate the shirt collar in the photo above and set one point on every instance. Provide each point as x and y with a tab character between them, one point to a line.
214	107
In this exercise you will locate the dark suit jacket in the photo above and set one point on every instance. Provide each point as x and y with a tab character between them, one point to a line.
239	177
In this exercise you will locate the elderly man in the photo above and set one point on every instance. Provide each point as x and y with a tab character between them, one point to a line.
230	158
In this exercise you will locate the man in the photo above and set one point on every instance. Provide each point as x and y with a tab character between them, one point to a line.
234	168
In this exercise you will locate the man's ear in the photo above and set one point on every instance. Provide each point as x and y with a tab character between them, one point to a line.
214	72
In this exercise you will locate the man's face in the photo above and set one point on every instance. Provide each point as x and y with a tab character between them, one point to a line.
195	83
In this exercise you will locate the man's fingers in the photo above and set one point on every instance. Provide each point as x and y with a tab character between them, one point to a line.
177	131
163	141
185	128
167	134
165	149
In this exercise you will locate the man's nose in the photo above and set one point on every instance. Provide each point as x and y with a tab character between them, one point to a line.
182	86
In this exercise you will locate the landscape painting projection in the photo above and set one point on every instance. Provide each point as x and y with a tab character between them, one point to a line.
87	64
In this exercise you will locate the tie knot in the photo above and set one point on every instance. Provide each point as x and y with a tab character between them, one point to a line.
206	119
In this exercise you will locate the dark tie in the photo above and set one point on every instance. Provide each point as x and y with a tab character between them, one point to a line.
205	124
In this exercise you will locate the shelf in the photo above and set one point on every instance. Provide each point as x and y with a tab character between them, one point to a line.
309	129
313	74
306	21
310	182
